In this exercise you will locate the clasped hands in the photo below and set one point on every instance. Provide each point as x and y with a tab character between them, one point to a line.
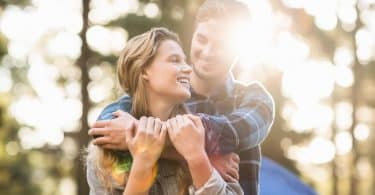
145	139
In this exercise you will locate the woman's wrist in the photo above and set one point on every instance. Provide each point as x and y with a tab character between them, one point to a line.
142	165
197	155
200	168
141	178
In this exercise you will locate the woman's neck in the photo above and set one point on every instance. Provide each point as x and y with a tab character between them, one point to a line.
160	107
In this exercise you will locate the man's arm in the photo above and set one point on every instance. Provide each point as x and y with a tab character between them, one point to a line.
248	125
124	104
113	121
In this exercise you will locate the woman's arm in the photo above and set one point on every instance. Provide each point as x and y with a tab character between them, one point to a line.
216	185
140	178
145	146
188	139
187	135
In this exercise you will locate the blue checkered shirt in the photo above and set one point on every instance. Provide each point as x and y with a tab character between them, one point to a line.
241	115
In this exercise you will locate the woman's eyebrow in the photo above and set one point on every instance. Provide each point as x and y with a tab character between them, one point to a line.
177	55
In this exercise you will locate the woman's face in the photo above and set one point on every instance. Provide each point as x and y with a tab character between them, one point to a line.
168	76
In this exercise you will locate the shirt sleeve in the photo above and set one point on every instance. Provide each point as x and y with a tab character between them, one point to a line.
248	125
216	185
95	186
124	104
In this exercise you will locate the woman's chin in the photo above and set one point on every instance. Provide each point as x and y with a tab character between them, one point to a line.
183	96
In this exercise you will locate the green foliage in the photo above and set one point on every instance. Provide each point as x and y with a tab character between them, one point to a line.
3	3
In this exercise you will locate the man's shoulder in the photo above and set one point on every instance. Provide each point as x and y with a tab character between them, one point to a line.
123	103
244	88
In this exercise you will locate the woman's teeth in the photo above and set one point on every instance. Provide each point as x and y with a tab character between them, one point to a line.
183	81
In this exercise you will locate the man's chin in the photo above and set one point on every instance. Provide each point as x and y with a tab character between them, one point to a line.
202	74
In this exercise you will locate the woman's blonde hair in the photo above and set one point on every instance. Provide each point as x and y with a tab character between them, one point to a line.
138	54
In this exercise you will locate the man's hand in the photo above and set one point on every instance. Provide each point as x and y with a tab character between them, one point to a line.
111	134
227	165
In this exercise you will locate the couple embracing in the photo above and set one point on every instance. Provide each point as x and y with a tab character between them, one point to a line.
181	129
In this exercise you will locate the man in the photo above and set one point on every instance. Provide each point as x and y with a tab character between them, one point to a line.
242	115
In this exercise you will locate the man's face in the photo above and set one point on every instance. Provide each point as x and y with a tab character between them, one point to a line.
210	54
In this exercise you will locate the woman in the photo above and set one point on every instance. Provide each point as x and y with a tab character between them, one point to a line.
153	71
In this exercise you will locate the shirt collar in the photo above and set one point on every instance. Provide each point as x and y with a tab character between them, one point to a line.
220	93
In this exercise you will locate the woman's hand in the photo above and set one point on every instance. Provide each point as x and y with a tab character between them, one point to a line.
187	135
145	145
147	142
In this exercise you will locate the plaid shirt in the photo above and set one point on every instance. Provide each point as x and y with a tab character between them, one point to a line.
240	116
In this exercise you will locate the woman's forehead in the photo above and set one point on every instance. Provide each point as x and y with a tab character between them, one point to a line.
170	47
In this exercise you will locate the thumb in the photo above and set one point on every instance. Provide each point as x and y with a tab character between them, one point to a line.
118	113
196	120
129	133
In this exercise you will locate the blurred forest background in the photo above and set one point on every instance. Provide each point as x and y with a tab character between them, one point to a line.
57	71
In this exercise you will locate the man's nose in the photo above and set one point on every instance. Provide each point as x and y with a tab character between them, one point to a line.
208	51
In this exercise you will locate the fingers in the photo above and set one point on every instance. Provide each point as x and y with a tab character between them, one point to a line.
173	124
233	173
142	126
196	120
98	131
229	178
230	173
101	141
110	146
129	134
101	124
180	121
163	131
118	113
150	124
157	126
235	158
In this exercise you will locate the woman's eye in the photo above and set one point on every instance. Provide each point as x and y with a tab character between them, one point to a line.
175	59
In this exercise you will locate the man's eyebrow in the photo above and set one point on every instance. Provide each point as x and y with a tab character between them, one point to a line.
201	35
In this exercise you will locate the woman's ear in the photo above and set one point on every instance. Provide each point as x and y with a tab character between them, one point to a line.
145	75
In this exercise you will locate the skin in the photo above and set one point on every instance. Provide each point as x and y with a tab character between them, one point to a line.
210	56
147	140
162	79
145	145
211	62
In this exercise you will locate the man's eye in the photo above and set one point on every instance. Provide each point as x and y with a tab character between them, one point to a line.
202	39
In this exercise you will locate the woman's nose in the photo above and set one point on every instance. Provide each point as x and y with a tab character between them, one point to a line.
186	68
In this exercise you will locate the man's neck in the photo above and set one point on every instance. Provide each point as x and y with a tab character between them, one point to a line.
206	87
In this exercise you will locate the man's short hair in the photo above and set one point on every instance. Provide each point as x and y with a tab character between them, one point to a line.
228	10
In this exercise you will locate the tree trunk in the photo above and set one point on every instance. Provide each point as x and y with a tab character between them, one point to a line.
355	97
82	188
